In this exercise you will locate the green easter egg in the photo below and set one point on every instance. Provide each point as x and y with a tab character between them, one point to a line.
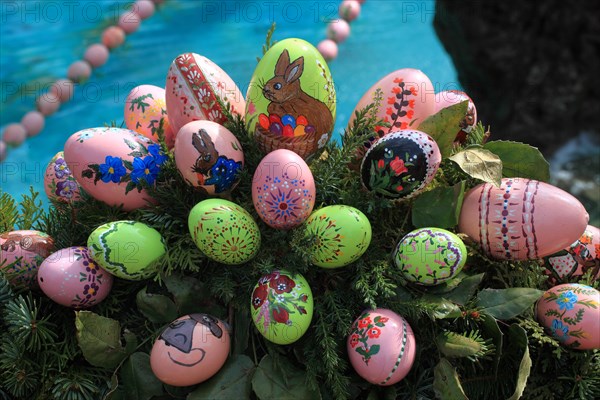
224	231
282	306
127	249
341	235
430	256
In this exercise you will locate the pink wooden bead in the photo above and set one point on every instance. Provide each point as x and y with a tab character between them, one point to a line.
33	122
328	49
144	8
48	103
338	31
14	134
129	22
2	151
96	55
349	10
63	89
113	37
79	71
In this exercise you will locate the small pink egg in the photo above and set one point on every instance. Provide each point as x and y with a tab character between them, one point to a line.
14	134
96	55
48	103
79	71
33	122
129	22
63	89
2	150
349	10
145	106
328	49
113	37
144	8
21	253
338	31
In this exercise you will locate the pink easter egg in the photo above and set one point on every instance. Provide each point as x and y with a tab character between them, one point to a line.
450	97
79	71
144	8
21	253
113	165
209	157
129	22
349	10
96	55
48	103
145	106
523	219
63	89
198	89
59	183
283	189
2	150
328	49
71	278
33	122
338	30
574	261
14	134
113	37
571	314
381	347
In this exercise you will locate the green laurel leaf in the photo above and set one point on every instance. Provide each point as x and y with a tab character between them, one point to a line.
99	339
507	303
520	160
443	126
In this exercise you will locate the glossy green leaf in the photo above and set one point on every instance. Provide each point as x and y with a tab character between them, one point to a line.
520	160
518	339
233	381
281	382
446	384
241	331
443	126
137	378
439	207
480	163
465	289
185	290
99	339
490	329
443	307
156	307
507	303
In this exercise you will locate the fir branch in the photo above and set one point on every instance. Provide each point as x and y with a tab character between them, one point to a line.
23	321
9	213
268	41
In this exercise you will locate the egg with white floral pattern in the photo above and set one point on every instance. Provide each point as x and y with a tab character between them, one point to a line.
59	183
145	109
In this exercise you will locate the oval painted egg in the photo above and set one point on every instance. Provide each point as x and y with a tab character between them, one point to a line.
381	347
145	107
21	253
341	234
224	231
571	314
523	219
190	350
448	98
59	183
71	278
282	306
209	156
283	189
430	256
400	164
574	261
199	89
127	249
113	165
291	82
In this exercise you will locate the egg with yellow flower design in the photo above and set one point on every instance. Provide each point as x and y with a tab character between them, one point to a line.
145	108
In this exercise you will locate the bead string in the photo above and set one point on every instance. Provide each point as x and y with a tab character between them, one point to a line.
61	91
339	30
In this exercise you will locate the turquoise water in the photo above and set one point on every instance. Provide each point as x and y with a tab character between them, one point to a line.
38	41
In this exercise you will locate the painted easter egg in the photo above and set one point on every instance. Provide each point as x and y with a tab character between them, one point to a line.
190	350
381	347
568	265
401	164
21	253
430	256
127	249
291	81
197	88
571	314
523	219
282	307
448	98
145	107
71	278
209	156
408	99
113	165
283	189
224	231
59	183
341	235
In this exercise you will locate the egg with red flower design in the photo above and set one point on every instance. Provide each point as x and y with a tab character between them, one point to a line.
282	306
381	346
